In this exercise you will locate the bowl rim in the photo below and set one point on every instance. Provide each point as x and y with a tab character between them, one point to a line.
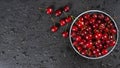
76	18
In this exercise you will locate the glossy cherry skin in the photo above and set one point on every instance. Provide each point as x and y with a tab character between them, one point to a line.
89	37
89	45
107	19
65	34
92	20
78	38
79	48
68	19
94	16
84	52
104	51
49	10
74	28
75	43
81	19
112	42
80	24
105	36
98	35
54	28
66	8
58	12
101	16
113	31
62	22
86	16
102	26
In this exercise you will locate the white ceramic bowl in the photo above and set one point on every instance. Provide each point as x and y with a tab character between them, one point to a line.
92	11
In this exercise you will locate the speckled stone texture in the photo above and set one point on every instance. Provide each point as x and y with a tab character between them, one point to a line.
26	40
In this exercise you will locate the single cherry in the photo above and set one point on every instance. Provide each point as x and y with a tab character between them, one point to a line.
62	22
98	35
74	28
68	19
66	8
58	12
65	34
101	16
94	16
78	38
49	10
54	28
104	51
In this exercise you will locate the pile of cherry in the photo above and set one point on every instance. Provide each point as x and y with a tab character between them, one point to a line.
64	21
93	34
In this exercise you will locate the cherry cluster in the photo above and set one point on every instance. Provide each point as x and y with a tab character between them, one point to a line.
62	22
93	34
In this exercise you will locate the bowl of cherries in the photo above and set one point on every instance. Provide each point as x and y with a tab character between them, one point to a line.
93	34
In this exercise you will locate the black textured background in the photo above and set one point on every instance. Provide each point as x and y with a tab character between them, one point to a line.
26	40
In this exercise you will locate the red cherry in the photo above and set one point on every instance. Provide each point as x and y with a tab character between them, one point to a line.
101	16
92	20
79	48
68	19
80	24
104	51
107	19
89	45
86	16
62	22
81	19
49	10
89	37
54	28
95	26
65	34
58	12
75	43
74	28
98	21
84	52
102	26
83	33
78	38
104	36
98	54
88	28
113	31
106	29
86	22
73	34
99	46
82	42
66	8
98	35
112	43
94	16
98	42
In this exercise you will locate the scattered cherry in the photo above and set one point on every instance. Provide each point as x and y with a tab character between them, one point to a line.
68	19
49	10
58	12
65	34
54	28
62	22
66	8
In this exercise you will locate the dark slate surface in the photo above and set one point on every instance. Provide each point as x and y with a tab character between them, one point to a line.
26	41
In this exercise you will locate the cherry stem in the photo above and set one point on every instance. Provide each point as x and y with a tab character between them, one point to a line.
41	9
65	14
52	19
